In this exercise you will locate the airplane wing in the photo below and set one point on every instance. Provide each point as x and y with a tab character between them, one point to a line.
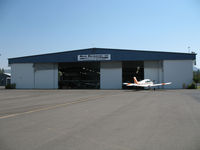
128	84
161	84
145	85
133	84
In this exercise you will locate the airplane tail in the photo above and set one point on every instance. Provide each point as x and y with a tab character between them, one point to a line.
135	80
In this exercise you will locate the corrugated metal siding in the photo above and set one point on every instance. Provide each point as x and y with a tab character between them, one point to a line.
116	55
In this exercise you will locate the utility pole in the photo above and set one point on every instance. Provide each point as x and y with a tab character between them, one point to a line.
188	49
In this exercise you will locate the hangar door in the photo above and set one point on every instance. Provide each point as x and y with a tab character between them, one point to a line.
45	76
79	75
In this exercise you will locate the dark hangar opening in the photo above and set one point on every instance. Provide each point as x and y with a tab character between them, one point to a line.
132	69
79	75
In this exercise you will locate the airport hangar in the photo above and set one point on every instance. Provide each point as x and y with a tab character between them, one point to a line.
101	68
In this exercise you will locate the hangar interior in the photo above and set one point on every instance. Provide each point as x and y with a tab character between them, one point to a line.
79	75
132	69
100	68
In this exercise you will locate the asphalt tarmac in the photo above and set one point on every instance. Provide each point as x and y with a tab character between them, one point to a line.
99	120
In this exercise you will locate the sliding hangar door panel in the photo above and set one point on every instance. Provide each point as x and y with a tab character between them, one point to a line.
111	75
179	72
153	70
46	76
22	74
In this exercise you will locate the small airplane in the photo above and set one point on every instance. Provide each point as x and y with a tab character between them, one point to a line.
144	83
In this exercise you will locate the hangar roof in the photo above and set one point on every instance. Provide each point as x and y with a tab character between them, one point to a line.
102	54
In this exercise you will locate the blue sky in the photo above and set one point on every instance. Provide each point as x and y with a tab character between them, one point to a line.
29	27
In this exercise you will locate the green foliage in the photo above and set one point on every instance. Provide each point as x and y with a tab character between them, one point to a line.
192	86
1	71
196	77
59	75
11	86
184	86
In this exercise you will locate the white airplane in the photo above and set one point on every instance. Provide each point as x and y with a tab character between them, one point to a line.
144	83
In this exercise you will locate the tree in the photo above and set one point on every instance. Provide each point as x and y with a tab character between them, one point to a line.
196	76
1	71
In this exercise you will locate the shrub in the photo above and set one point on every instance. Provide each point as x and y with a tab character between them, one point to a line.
184	86
192	86
11	86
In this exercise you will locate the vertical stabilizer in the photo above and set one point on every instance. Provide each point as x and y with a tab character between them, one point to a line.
135	80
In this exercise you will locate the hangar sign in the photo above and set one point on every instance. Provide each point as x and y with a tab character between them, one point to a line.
94	57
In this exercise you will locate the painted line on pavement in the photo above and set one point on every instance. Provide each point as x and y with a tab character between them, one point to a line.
51	107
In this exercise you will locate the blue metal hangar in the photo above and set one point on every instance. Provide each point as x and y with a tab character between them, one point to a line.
101	68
